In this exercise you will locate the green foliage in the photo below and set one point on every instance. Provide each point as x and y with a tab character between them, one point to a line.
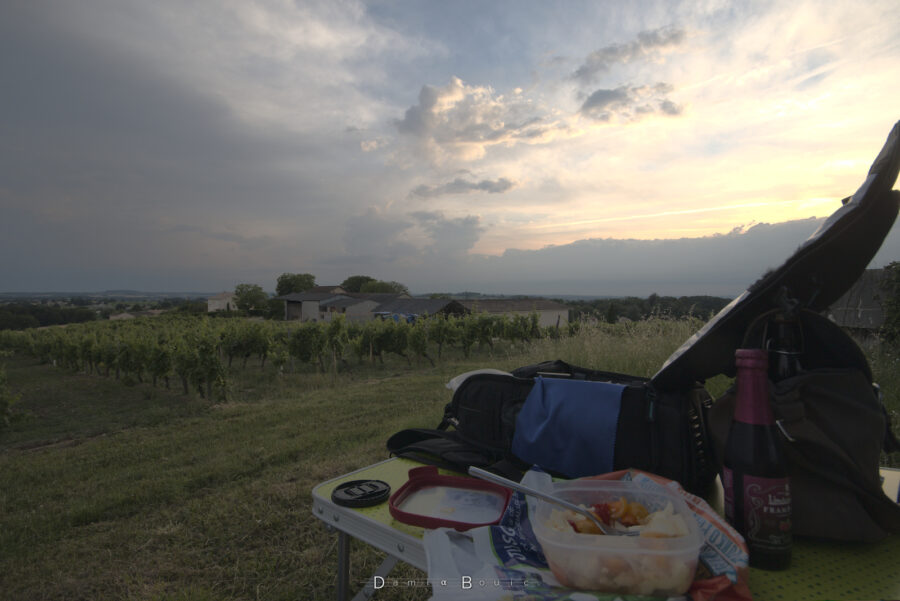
274	309
7	398
522	328
890	303
308	342
159	360
205	353
634	308
418	340
288	283
395	339
388	287
611	314
192	307
336	337
355	282
442	331
21	316
249	297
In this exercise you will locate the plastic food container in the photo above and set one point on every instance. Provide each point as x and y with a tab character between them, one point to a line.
618	564
431	500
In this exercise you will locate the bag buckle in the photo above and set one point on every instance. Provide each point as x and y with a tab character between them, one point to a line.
784	432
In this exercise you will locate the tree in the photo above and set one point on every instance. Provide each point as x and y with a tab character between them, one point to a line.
288	283
355	283
890	294
379	286
249	296
612	315
7	398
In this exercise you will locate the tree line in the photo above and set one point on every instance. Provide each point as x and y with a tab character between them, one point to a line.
21	316
633	308
253	299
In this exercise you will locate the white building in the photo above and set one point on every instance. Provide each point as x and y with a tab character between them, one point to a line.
220	302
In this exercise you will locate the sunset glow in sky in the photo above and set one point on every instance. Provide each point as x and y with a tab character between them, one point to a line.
192	146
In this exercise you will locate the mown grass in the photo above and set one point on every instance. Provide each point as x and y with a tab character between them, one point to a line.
111	491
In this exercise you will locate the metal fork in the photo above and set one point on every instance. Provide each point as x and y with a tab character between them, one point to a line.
490	477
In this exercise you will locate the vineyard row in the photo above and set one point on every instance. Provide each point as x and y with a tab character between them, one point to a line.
199	350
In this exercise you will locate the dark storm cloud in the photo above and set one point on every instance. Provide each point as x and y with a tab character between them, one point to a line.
462	186
74	107
111	157
630	103
646	46
722	265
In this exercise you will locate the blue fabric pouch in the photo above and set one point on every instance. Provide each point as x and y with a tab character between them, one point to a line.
569	426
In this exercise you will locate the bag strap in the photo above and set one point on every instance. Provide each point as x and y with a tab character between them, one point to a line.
814	460
436	447
891	443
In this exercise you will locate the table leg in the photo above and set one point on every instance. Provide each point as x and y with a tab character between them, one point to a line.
343	567
382	572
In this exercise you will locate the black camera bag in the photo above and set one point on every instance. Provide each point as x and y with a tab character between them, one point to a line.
663	433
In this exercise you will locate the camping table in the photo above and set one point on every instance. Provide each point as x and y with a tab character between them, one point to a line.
819	570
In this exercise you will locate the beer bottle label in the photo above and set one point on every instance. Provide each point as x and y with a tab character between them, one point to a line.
767	512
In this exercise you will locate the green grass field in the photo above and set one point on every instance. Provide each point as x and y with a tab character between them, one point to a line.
115	491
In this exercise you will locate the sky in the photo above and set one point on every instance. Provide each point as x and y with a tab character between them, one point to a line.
503	146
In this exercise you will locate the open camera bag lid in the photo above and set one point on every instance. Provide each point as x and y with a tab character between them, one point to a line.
819	272
835	426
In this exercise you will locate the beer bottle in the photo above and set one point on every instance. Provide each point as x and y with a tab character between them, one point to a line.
784	346
757	491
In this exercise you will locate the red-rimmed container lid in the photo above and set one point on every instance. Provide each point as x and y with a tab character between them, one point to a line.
432	500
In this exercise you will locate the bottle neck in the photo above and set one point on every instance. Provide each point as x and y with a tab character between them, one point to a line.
752	405
785	347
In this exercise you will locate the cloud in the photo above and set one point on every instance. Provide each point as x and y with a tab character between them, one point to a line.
630	103
210	145
449	237
722	265
459	122
377	236
462	186
647	46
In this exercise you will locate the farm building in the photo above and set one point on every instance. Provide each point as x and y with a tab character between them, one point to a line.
220	302
323	302
305	306
410	308
550	313
860	307
356	306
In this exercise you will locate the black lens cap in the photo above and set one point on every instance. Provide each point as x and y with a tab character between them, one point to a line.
361	493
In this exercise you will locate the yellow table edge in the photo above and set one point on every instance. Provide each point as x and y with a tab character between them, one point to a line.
819	571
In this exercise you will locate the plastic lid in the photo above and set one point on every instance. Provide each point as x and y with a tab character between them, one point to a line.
361	493
431	500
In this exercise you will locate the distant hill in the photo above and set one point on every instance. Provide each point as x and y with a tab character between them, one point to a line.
105	295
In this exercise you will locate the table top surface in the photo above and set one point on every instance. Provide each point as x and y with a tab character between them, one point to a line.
819	570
